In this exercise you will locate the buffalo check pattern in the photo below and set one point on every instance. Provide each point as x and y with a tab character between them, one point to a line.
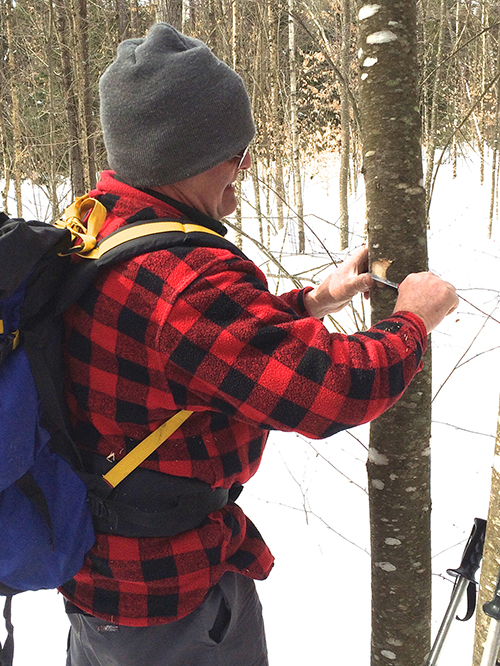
196	328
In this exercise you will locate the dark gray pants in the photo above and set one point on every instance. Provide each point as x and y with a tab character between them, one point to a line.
226	630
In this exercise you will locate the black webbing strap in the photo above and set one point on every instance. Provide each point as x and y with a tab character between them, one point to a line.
471	601
30	488
7	650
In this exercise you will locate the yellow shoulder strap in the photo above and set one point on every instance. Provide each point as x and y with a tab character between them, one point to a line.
139	454
141	231
84	235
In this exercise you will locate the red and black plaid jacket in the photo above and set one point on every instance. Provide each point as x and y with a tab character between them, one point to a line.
196	328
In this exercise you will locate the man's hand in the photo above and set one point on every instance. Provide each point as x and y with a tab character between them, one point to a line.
349	279
427	296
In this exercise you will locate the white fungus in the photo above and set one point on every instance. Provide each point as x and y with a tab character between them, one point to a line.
364	76
377	458
369	62
385	566
395	641
367	10
388	654
393	542
382	37
378	484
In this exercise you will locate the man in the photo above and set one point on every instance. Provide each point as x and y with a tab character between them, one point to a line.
194	327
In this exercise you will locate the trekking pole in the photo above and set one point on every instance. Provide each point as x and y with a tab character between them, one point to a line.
465	580
492	644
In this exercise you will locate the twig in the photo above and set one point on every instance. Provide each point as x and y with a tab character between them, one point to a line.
472	432
460	359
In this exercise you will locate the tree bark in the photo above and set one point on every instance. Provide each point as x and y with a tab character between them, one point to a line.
4	79
431	136
491	555
294	130
345	121
122	19
86	98
275	123
399	461
52	175
496	129
15	113
75	153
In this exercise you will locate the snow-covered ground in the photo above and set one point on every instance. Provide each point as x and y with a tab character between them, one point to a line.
309	500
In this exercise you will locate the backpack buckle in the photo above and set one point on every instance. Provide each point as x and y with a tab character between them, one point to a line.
8	344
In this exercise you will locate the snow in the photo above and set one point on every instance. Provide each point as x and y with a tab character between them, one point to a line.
314	515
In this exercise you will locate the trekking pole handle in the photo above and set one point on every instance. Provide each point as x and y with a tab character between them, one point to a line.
473	552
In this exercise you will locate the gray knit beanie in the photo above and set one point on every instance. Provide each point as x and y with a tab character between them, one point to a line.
170	109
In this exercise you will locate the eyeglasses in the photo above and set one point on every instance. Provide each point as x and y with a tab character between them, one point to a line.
241	157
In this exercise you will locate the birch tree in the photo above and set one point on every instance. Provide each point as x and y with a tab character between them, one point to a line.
491	555
399	463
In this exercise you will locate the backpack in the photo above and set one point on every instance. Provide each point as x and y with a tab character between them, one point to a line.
50	500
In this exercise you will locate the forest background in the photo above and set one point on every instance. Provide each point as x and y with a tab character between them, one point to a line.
304	71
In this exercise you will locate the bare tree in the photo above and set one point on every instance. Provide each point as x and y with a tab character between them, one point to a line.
436	92
16	118
345	116
294	130
399	463
69	83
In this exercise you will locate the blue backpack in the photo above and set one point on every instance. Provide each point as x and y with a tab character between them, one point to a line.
49	502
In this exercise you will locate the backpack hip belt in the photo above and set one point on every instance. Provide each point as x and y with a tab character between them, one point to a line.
149	503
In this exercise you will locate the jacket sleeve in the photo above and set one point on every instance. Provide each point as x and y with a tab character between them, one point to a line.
250	355
295	300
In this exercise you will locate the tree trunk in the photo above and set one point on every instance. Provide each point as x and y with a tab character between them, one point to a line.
122	17
484	57
455	105
494	167
345	121
399	461
52	176
431	136
86	97
256	192
294	130
15	113
275	123
69	84
6	162
491	555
